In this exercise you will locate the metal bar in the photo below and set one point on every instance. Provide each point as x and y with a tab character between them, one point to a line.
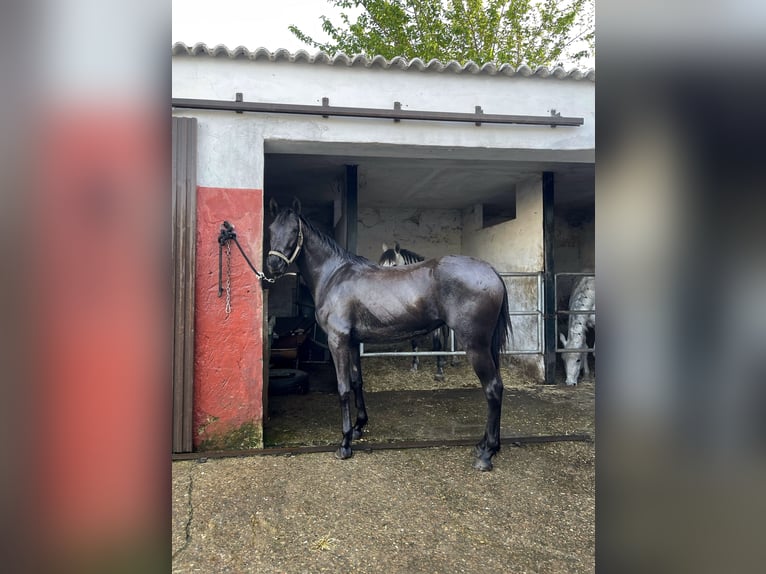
369	447
540	322
437	353
351	204
549	304
274	108
411	353
583	350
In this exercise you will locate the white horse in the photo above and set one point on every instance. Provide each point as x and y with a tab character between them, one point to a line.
583	298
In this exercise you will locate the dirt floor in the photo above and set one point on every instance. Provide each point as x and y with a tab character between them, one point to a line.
405	405
392	511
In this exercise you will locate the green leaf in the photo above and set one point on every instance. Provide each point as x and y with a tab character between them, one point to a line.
517	32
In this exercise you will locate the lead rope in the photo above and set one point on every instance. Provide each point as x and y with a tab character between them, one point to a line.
228	234
228	278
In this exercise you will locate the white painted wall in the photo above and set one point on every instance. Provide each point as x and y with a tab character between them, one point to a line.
515	245
229	150
231	145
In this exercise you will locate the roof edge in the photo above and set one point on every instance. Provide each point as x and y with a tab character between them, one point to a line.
470	67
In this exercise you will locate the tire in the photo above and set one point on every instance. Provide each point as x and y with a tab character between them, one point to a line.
288	381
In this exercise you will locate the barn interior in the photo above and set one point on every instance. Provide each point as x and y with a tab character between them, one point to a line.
433	202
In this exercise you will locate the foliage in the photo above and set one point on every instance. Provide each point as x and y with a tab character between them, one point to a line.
532	32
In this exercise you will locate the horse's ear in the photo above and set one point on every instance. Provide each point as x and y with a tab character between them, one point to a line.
563	339
297	205
273	207
385	248
397	248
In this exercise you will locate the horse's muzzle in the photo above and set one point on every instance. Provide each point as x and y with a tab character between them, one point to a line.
276	266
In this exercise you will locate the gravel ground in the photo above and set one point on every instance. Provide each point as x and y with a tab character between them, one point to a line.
399	511
405	511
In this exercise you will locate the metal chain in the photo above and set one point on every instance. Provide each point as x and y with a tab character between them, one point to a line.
228	277
226	236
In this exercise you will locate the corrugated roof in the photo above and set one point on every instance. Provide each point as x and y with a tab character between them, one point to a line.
219	51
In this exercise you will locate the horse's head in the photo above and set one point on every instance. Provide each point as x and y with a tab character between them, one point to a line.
573	362
285	237
391	257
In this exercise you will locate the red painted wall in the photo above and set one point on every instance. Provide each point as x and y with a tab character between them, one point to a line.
228	363
94	319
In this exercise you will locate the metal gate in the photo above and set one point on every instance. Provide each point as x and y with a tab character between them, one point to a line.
183	253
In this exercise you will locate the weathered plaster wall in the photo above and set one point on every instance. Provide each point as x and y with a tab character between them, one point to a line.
575	244
430	232
514	246
228	362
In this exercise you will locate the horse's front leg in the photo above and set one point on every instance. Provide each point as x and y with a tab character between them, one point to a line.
340	352
357	386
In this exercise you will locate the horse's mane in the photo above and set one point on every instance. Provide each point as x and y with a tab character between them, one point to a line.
411	256
332	245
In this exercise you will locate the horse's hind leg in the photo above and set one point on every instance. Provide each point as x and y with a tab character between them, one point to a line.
437	346
415	358
357	386
489	375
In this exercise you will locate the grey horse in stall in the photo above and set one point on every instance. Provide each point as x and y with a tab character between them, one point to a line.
583	298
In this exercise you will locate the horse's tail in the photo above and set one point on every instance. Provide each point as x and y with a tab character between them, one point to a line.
503	328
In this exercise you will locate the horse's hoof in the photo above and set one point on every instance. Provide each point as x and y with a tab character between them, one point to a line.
357	434
482	465
343	453
438	377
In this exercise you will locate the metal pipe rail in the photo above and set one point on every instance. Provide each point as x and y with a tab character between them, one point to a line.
396	113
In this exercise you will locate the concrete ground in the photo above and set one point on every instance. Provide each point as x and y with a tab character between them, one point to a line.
392	511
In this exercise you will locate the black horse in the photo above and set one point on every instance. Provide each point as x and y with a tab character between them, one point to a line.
391	257
358	301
